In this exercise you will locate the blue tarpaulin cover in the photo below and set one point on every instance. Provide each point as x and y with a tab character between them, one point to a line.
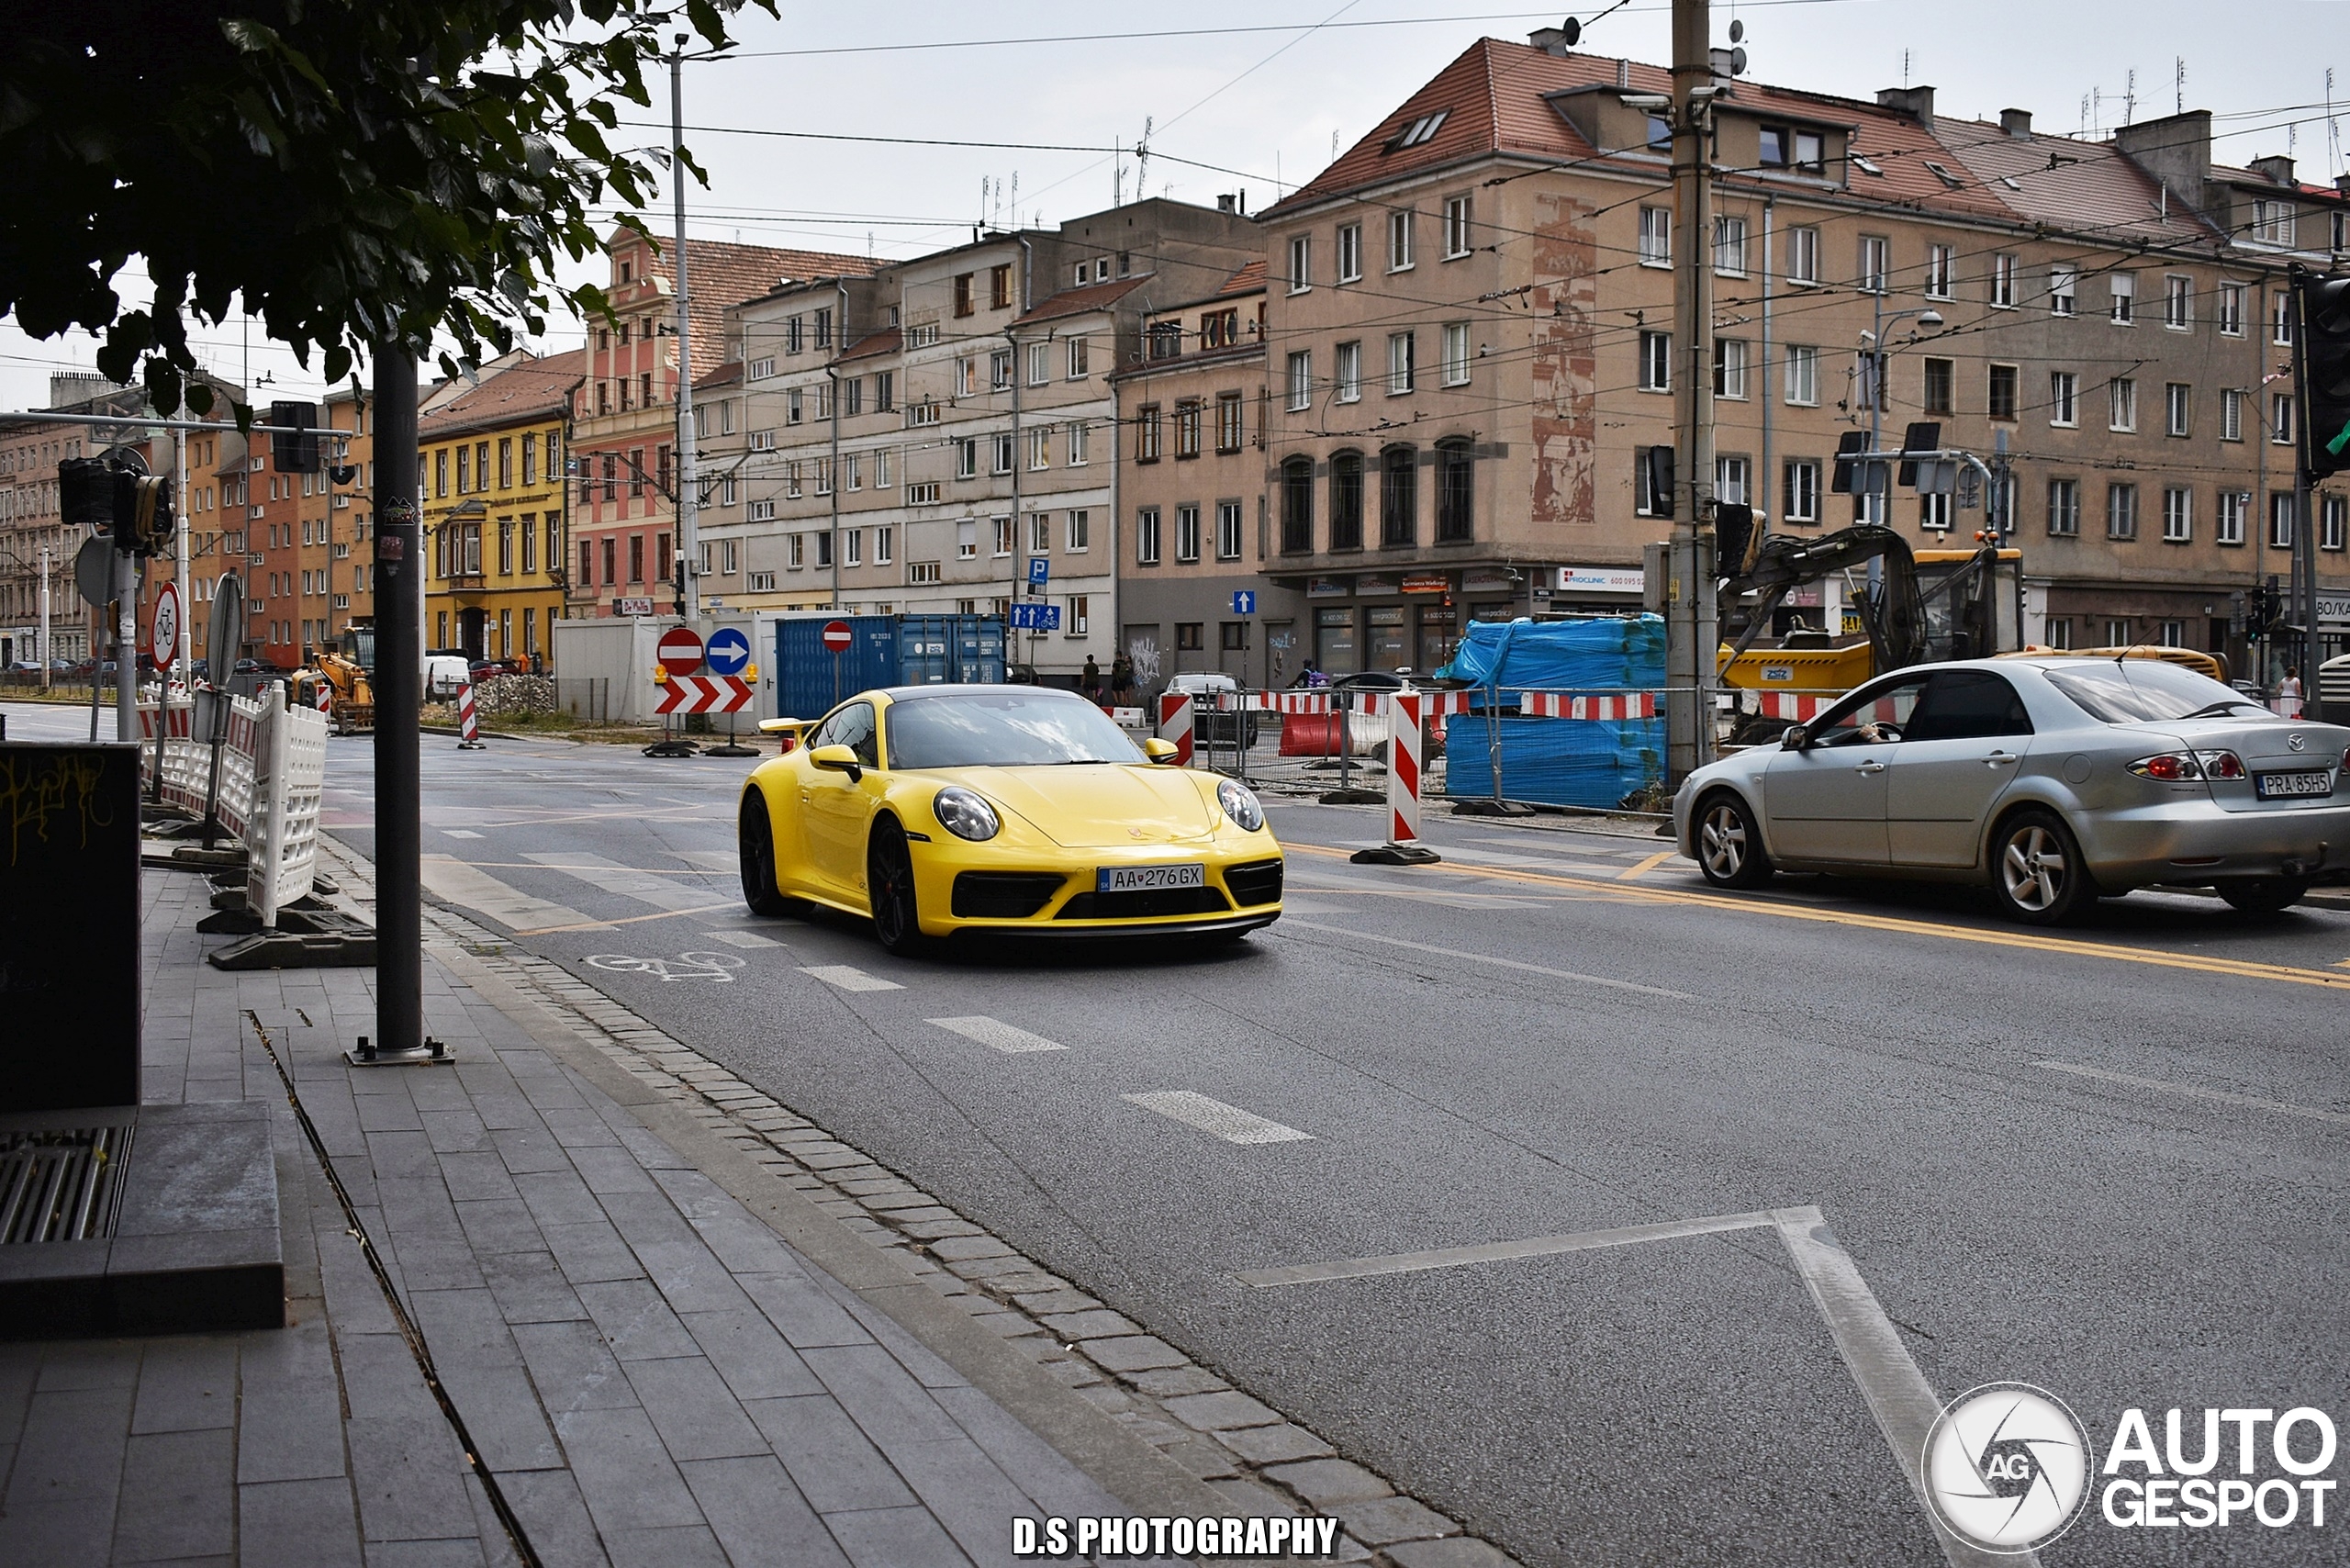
1558	762
1620	653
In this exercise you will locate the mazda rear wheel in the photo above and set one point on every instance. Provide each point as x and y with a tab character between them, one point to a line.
2037	874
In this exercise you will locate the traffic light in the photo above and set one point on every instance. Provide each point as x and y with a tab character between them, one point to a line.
2325	367
1733	538
1656	469
1845	481
151	519
294	453
133	510
85	493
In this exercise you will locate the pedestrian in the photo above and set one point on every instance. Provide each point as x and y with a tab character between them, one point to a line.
2288	700
1092	679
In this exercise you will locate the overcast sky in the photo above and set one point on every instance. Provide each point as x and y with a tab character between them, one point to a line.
1264	97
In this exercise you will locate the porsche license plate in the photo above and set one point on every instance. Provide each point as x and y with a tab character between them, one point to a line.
2270	785
1149	878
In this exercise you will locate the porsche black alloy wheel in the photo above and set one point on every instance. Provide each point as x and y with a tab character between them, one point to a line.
890	888
755	845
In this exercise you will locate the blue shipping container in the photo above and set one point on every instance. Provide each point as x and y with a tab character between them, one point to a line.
884	650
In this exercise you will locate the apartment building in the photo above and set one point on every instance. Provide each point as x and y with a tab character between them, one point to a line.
624	413
958	425
213	511
496	507
1192	485
1470	336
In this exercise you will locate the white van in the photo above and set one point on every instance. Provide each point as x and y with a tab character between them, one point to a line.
446	675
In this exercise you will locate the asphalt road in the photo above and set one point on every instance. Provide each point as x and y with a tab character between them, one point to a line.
1555	1032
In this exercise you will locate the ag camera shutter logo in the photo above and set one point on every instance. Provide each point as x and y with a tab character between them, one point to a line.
2006	1467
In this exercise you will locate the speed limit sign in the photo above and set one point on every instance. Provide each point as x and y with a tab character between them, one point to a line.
164	634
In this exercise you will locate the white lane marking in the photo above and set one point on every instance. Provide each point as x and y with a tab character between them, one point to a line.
1897	1393
469	887
1215	1118
994	1031
460	833
2221	1096
743	939
709	859
610	876
848	977
1488	958
1499	1252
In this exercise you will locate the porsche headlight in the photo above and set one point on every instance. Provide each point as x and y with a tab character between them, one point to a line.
1241	805
964	815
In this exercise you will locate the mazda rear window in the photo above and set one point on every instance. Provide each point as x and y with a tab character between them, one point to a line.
2138	692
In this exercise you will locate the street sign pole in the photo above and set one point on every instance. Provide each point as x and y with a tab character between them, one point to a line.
399	660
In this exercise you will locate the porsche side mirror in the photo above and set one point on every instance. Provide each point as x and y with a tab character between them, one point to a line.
1157	750
837	759
1795	738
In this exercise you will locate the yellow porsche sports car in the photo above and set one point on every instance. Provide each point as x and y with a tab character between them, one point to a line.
938	810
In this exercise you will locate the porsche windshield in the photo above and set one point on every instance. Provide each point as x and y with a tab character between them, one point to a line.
1003	729
2137	692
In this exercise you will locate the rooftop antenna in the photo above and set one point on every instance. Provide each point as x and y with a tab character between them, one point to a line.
1015	198
2129	97
1142	161
2332	126
2178	83
1117	173
2085	113
1905	68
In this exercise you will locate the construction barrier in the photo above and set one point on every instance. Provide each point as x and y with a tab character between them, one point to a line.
273	772
1596	750
1175	724
468	720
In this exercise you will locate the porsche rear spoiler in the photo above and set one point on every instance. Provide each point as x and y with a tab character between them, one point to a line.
787	730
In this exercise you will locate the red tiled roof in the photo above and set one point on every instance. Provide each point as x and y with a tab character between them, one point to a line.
1248	280
720	275
2083	187
885	341
1077	301
530	389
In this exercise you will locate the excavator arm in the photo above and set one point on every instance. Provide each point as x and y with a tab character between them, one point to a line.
1894	621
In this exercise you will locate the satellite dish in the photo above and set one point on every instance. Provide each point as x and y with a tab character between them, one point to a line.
1737	62
1736	31
1574	29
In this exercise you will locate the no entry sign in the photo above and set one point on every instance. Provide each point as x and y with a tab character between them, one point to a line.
680	650
836	636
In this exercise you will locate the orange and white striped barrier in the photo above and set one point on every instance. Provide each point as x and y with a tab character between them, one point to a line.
468	724
1403	848
1802	707
1569	705
1175	724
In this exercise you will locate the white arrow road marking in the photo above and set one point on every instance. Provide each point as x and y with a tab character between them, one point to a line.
849	977
1001	1035
1215	1118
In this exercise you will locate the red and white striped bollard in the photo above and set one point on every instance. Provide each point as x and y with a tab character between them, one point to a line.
468	724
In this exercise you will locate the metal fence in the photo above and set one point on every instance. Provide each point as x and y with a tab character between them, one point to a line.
586	698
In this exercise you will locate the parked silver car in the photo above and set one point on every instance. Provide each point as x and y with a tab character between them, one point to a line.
2052	780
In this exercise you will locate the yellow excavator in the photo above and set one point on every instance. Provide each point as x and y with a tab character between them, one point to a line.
340	676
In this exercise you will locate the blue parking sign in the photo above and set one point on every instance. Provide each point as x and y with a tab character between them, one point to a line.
1243	603
1040	571
728	652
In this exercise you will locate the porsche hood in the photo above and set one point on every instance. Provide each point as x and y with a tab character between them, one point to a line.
1099	805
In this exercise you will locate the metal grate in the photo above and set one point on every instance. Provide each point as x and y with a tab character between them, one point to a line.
63	1185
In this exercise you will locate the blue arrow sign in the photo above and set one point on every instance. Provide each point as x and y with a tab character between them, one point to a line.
1035	617
1243	603
1040	571
728	652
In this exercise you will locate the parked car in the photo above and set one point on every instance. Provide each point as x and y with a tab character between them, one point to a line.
2052	781
490	669
446	675
1205	688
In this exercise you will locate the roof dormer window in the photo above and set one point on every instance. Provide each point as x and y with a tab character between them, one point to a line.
1866	167
1942	173
1418	132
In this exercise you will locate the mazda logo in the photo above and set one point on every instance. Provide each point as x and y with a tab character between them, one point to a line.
2296	742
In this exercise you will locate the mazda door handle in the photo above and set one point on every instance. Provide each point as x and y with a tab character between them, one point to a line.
1999	759
1870	767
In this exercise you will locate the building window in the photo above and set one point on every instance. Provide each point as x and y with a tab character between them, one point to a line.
1346	379
1079	359
1297	504
967	458
884	467
2001	402
2179	302
1301	264
1456	493
1146	536
1349	253
2179	515
1803	254
1040	363
2063	282
2117	633
1656	361
2231	415
636	557
1399	496
1000	370
2123	398
2280	317
2174	634
1187	533
1000	456
1228	530
2064	509
1729	367
1146	433
1876	263
1300	380
1456	227
2063	388
2177	406
2124	308
1942	375
1732	475
1346	500
1933	512
2003	282
2280	418
1656	237
1187	428
1075	442
884	545
1729	246
1080	622
1799	491
1188	638
2229	309
1940	260
1228	407
885	391
2280	519
2122	511
1399	362
1456	353
923	493
2235	505
1006	538
965	301
1399	242
2333	521
2272	223
1803	375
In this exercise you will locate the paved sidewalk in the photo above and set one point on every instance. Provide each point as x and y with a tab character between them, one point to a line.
651	1372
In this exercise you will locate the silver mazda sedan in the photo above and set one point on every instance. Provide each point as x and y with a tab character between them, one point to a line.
2055	781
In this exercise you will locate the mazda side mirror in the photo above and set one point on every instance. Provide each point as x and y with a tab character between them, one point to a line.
837	759
1795	738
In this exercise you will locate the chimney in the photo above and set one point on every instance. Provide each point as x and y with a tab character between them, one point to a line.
2175	150
2276	169
2016	122
1550	41
1623	75
1227	204
1915	102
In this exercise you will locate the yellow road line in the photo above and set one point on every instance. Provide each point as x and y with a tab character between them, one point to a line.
2030	941
627	920
1645	867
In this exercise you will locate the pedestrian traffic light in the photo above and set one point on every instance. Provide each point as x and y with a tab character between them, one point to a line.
2325	372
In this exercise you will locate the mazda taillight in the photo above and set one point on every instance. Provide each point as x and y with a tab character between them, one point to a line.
2188	766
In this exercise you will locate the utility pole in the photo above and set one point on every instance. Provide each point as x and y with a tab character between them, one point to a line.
45	655
2304	524
181	649
399	662
1690	630
688	590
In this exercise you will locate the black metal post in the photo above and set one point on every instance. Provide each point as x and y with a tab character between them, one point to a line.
399	662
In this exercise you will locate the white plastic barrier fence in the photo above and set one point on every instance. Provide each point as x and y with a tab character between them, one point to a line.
273	771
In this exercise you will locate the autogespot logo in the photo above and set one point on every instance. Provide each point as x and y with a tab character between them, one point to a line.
2007	1467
